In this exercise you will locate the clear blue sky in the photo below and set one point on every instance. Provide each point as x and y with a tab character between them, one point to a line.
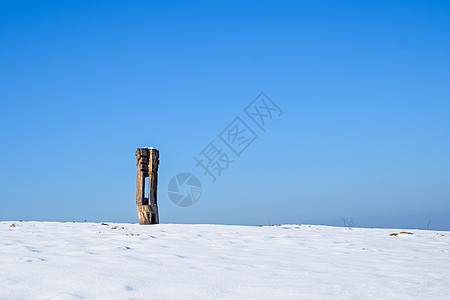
364	87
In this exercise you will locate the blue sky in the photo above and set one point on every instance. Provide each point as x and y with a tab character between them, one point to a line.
363	85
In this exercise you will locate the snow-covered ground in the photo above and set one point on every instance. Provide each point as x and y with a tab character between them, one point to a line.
50	260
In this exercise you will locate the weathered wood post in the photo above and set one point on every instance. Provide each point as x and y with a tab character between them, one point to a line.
146	197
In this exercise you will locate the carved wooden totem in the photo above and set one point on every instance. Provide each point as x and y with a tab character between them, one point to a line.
146	190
